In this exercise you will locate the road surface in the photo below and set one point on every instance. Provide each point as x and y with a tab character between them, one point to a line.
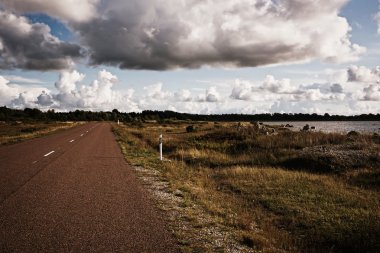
73	192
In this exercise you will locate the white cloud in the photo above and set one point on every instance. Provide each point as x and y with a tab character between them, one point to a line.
369	78
71	94
68	81
20	79
24	99
272	89
70	10
99	95
183	95
372	92
363	74
283	106
269	95
325	88
242	90
278	86
368	93
377	19
6	91
360	107
16	95
336	75
155	91
211	95
156	98
44	99
317	95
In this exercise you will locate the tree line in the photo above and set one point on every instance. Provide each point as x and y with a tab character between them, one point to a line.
33	114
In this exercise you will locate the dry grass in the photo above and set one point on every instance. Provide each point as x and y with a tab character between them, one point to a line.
321	211
18	131
234	176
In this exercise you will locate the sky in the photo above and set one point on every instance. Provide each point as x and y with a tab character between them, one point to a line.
194	56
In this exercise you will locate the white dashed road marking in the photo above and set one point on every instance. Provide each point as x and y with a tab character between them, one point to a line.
72	140
51	152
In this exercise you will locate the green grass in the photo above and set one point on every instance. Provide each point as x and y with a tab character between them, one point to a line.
239	178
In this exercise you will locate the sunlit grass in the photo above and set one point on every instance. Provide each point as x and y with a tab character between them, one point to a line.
17	131
233	175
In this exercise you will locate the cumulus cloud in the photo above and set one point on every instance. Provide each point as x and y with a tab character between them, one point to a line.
159	35
336	88
273	90
70	10
18	96
324	87
211	95
242	90
44	99
155	91
372	92
24	99
99	95
339	76
68	81
183	95
70	94
363	74
369	78
317	95
278	86
155	97
268	95
6	91
31	46
320	107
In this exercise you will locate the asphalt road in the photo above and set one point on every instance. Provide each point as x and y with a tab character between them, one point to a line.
73	192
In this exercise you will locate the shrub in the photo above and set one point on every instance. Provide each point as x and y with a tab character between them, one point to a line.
190	129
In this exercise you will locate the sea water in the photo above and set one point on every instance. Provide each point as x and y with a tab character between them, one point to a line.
333	126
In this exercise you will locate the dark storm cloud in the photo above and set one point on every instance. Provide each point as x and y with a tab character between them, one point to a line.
31	46
168	34
160	35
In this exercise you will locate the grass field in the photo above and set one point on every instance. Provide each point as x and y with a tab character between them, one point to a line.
284	192
12	132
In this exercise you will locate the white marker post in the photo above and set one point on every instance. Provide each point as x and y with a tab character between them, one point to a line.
160	140
118	122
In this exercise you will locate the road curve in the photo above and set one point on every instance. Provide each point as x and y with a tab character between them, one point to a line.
73	192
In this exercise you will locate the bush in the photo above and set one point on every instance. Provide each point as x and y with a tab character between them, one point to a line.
190	129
